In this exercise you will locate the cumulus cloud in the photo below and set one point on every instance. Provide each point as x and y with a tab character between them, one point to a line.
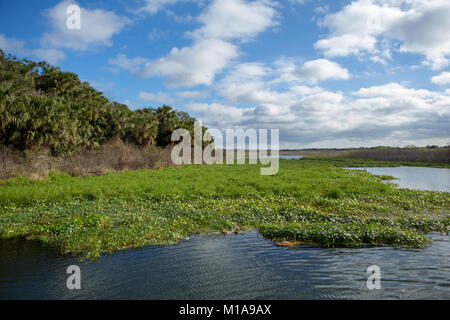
228	115
212	50
442	79
418	26
97	28
291	69
235	19
320	70
193	65
313	116
392	89
248	83
346	44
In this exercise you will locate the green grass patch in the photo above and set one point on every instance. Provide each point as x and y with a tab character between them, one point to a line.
307	201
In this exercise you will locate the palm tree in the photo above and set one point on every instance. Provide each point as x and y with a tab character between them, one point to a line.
167	123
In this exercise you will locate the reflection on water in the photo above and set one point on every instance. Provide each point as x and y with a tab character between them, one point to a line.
244	266
420	178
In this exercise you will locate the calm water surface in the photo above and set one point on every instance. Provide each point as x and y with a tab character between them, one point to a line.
280	156
244	266
419	178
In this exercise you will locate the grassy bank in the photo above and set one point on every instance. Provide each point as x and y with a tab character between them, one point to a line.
344	162
114	156
307	201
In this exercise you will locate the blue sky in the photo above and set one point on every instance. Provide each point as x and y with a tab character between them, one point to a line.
326	73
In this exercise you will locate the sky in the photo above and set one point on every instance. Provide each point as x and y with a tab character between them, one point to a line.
327	74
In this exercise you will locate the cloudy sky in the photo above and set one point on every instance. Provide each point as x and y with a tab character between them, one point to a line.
326	73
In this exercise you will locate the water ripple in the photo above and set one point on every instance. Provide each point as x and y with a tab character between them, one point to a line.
244	266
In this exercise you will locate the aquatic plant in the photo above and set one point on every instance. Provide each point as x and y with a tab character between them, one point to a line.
307	201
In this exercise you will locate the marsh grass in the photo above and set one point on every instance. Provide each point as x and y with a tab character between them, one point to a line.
410	154
308	200
345	161
114	156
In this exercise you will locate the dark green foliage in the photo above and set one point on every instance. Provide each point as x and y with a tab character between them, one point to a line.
42	106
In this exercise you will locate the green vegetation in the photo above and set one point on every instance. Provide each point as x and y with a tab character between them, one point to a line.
430	156
44	107
307	201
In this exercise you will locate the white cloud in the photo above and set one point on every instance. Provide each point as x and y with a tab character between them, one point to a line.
235	19
346	44
419	26
321	9
378	60
122	62
192	65
11	45
156	97
179	18
312	116
193	94
321	69
97	28
102	86
254	82
442	79
311	72
226	115
14	46
391	90
301	2
153	6
248	83
52	56
212	49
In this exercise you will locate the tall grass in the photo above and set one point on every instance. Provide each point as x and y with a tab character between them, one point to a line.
114	156
440	155
407	154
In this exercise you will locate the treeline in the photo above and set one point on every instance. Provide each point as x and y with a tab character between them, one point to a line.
42	106
429	153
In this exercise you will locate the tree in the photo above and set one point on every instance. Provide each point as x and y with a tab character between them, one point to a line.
42	106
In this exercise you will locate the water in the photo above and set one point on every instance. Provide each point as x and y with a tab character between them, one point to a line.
244	266
280	156
290	157
420	178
